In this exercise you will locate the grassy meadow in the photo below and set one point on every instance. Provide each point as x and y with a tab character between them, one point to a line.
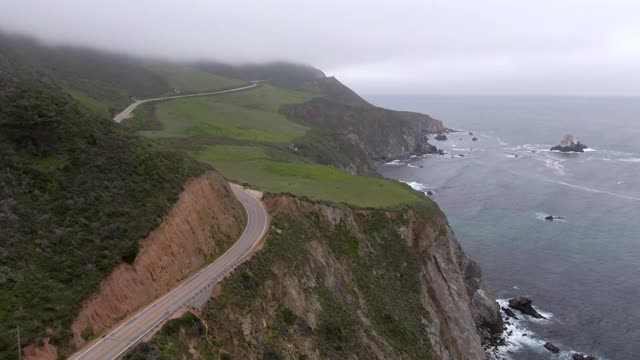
185	78
244	136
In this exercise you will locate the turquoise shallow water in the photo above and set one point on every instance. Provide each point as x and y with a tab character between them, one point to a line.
583	271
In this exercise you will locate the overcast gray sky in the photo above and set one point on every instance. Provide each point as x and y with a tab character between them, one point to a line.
554	47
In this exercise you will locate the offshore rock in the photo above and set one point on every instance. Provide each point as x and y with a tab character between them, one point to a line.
523	304
549	346
570	143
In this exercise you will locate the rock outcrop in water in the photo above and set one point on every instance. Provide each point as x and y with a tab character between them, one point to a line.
549	346
523	304
570	143
579	356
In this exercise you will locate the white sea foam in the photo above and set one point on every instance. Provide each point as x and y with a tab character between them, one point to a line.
416	185
584	188
634	160
517	336
412	166
395	163
555	164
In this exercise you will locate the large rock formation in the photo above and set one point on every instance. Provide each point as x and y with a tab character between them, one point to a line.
570	143
524	305
383	134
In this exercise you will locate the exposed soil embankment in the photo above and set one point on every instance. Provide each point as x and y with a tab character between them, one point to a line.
205	221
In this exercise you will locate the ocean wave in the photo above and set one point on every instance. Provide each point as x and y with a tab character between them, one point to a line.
416	185
595	154
517	336
634	160
413	166
584	188
394	163
530	148
555	164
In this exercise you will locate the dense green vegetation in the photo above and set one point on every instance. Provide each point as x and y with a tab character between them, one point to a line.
174	340
247	164
250	115
77	193
89	103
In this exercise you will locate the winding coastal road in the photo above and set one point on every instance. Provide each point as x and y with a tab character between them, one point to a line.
130	332
126	113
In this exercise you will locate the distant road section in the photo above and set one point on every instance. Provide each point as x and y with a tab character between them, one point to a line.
126	113
129	333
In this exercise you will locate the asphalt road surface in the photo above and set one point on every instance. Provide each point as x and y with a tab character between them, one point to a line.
132	330
126	113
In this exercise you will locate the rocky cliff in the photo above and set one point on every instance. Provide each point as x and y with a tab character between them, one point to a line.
381	133
205	221
339	282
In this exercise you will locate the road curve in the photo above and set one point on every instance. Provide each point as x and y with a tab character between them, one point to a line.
129	333
127	112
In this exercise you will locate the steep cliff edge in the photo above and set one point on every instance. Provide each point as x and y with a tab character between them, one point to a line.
360	134
205	221
339	282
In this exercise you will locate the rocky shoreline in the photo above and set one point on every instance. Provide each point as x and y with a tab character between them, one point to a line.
514	311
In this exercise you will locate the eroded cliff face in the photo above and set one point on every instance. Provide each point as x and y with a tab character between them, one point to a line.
205	221
463	306
337	282
381	133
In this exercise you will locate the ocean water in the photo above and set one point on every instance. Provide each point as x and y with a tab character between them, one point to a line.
582	271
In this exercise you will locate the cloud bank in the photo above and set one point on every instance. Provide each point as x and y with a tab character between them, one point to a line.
546	47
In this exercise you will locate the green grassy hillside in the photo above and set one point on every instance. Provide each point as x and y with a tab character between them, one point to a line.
190	79
250	116
245	136
76	194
